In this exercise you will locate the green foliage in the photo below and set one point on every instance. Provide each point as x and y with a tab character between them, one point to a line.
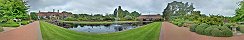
70	19
33	16
241	28
200	28
216	32
10	23
120	12
193	27
208	30
126	15
239	17
13	9
227	32
24	22
177	9
1	29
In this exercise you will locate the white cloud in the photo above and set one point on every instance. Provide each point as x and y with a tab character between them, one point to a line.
222	7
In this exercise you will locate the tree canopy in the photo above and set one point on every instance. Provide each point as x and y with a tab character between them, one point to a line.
239	16
13	9
177	9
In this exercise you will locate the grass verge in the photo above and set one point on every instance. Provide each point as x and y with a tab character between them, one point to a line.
147	32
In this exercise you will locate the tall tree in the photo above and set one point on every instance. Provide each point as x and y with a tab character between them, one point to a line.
120	12
33	16
239	16
13	9
177	9
135	14
115	12
126	13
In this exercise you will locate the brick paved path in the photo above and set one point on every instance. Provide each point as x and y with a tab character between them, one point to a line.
172	32
27	32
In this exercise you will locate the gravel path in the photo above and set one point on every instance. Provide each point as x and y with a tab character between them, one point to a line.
27	32
172	32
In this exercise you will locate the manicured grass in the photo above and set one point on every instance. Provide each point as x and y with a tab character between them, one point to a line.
84	22
147	32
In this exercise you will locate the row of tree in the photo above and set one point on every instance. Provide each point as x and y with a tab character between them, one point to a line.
126	15
123	15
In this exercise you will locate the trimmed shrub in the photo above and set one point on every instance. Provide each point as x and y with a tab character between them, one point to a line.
24	22
200	28
216	32
208	30
10	25
192	27
1	29
227	33
241	27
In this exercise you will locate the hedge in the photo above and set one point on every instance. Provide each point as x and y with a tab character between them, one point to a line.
192	27
24	22
208	30
10	25
213	30
200	28
216	32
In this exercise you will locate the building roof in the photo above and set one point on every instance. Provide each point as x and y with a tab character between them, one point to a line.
52	14
149	16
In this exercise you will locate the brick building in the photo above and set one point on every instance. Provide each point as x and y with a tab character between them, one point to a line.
53	15
150	17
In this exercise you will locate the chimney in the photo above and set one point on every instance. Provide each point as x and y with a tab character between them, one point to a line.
53	10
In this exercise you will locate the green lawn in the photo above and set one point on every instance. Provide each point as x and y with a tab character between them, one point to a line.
84	22
147	32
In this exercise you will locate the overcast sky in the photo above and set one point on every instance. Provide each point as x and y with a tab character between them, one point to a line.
221	7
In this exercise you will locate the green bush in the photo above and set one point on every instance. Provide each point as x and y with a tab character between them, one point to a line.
208	30
24	22
200	28
1	29
10	25
70	19
241	27
178	22
192	27
227	33
216	32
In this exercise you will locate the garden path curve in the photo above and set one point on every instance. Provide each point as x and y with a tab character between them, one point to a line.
173	32
27	32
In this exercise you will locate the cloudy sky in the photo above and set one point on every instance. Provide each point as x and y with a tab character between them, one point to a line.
221	7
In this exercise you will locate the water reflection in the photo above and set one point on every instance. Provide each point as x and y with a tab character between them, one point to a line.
99	28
